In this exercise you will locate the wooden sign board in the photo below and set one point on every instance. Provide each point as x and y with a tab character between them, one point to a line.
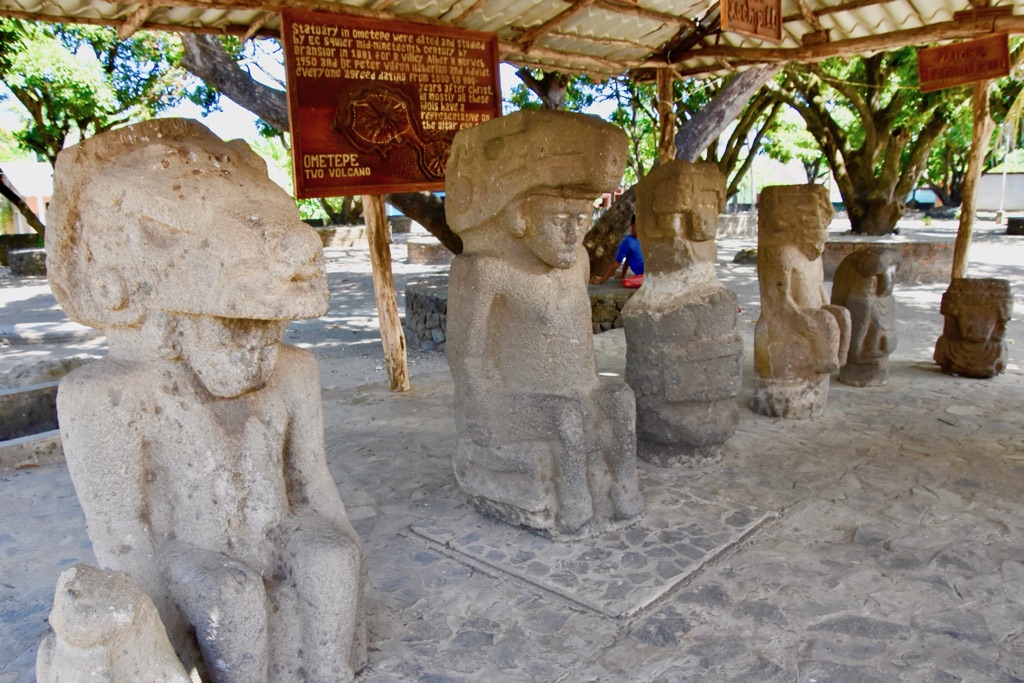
947	66
373	105
755	18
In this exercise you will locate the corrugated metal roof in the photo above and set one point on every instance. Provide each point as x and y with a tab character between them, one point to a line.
600	37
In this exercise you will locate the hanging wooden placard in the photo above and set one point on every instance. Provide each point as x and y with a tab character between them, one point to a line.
760	19
374	105
947	66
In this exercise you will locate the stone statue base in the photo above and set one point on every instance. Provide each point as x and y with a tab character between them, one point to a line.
801	399
683	360
867	374
556	464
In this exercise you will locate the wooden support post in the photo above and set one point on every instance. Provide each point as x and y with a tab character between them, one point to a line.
666	116
391	335
983	126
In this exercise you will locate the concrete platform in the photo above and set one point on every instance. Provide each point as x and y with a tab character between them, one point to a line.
882	542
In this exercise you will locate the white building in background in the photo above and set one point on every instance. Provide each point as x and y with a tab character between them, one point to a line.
33	182
990	188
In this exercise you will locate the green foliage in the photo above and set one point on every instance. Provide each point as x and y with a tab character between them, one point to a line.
77	81
790	140
580	93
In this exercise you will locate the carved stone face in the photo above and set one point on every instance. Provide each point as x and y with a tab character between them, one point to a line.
811	242
230	357
212	221
555	227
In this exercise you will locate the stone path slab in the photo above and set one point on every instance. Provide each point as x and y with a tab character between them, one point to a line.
619	573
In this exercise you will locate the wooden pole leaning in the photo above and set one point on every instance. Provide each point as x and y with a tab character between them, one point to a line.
983	126
666	116
391	334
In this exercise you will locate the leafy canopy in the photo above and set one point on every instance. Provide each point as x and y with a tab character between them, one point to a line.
77	81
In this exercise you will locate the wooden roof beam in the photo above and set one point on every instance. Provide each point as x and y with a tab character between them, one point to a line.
135	21
528	37
468	11
256	25
949	30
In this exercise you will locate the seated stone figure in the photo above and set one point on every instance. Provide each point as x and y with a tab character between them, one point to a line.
682	350
196	445
976	311
800	338
863	286
105	629
543	441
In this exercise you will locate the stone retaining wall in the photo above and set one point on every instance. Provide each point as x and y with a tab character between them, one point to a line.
25	262
426	311
8	242
923	262
343	236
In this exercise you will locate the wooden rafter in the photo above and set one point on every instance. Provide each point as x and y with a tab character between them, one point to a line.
527	38
135	21
607	42
466	13
949	30
838	7
256	25
809	16
642	13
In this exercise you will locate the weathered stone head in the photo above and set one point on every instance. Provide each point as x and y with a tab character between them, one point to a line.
535	182
165	216
677	215
976	311
797	215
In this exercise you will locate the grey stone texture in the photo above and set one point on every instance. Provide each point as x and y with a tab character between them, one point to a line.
105	628
196	445
426	313
900	505
863	285
27	262
973	343
544	442
800	338
683	353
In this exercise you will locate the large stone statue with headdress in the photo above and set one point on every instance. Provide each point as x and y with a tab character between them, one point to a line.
543	441
196	446
800	337
682	351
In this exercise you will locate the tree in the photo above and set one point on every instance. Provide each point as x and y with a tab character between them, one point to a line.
873	125
789	140
69	97
205	57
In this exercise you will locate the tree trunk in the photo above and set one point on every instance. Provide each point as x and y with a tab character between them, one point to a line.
205	57
30	216
707	124
427	210
550	88
692	139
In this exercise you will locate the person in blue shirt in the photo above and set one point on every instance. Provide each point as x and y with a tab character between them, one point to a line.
629	255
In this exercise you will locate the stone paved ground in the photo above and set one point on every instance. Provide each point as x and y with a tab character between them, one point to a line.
896	554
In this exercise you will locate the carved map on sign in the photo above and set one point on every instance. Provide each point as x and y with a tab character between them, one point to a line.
755	18
974	60
374	105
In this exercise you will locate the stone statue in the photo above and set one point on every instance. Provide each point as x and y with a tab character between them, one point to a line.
800	338
863	286
543	441
683	354
196	446
105	629
976	311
